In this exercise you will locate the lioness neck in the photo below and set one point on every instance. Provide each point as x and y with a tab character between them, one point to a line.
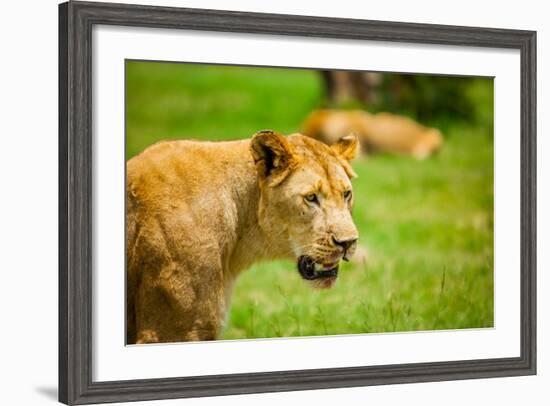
252	243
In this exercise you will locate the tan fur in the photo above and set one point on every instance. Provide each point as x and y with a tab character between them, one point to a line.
198	213
382	132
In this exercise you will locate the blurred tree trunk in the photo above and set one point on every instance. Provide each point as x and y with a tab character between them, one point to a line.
345	86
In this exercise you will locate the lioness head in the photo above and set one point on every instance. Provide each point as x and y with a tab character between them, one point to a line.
306	200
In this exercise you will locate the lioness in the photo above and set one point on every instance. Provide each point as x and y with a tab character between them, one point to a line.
198	213
382	132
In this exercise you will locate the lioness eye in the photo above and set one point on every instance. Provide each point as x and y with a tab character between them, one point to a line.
311	198
347	194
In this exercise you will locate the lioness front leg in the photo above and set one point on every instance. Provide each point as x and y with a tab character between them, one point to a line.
179	306
198	333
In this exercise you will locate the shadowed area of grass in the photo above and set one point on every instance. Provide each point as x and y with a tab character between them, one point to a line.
427	225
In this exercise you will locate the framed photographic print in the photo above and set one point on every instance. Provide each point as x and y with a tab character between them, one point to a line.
258	202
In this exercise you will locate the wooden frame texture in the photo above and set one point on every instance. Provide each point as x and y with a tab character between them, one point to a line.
76	20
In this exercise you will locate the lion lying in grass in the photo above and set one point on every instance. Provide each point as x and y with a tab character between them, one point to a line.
382	132
199	213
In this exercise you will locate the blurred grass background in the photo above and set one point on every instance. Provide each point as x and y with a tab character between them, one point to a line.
427	225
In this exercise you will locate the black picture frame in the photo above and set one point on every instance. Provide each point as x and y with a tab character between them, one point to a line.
76	20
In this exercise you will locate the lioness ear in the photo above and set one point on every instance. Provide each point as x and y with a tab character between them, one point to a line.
272	155
347	147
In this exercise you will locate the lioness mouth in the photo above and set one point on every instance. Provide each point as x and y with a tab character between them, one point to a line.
310	270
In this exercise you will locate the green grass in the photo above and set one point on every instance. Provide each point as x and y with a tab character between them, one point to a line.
427	226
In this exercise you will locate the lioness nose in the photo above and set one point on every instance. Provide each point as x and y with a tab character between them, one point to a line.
345	244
